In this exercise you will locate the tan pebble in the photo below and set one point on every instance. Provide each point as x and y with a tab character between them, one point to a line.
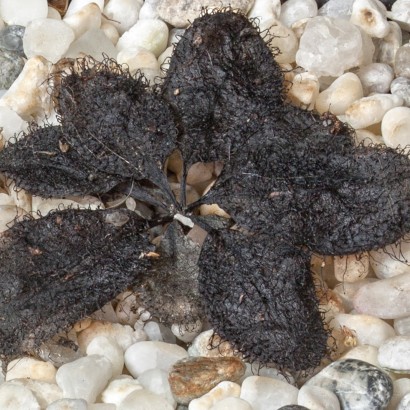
340	94
27	367
127	308
86	18
367	138
304	90
212	209
220	392
371	110
199	172
351	268
209	344
195	376
138	58
191	194
29	96
370	15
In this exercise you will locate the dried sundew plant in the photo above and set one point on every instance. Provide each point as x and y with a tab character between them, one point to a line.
293	183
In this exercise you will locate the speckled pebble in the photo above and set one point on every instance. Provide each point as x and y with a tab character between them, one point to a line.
358	385
401	86
11	65
11	39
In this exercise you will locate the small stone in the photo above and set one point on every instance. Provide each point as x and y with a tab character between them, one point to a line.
109	348
394	354
45	393
295	10
11	65
194	376
68	404
351	268
84	19
221	391
102	406
138	58
329	46
76	5
93	43
396	127
367	138
358	385
124	335
111	32
144	400
368	49
367	330
11	39
143	356
27	367
156	381
337	8
386	298
21	12
304	90
149	34
401	86
386	47
265	9
371	110
119	388
11	124
370	15
400	12
401	387
391	261
84	378
28	96
15	397
376	78
404	403
208	344
264	393
47	38
149	10
402	326
187	333
345	90
283	39
231	403
364	353
53	13
123	14
180	13
315	397
402	61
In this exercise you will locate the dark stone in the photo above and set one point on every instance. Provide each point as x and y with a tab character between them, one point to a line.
11	65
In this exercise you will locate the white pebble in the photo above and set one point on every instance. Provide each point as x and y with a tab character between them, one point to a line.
365	353
371	110
53	14
345	90
396	127
221	391
283	38
317	398
14	397
404	403
118	389
11	124
123	13
93	43
351	268
402	326
402	61
149	10
400	12
84	19
265	9
348	290
401	86
165	58
387	47
143	356
84	378
102	406
400	388
27	367
156	381
394	354
370	15
367	138
295	10
76	5
231	403
108	347
111	32
138	59
376	78
304	90
337	8
367	330
68	404
48	38
144	400
386	298
187	333
329	46
201	346
391	261
149	34
264	393
21	12
45	393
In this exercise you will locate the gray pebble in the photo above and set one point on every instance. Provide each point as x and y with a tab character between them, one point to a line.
357	384
11	64
404	403
401	86
11	39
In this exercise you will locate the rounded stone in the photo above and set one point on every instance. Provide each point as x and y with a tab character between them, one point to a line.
144	400
119	388
358	385
295	10
221	391
11	65
394	354
231	403
376	78
21	12
315	397
396	127
370	15
68	404
194	376
156	381
28	367
390	261
402	61
14	397
123	14
402	326
351	268
11	39
401	86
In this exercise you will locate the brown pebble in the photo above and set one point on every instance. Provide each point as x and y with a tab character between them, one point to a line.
194	376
